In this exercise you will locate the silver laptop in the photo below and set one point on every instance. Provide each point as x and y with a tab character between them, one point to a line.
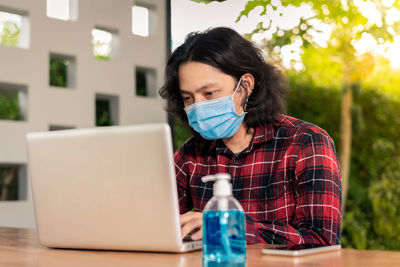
108	188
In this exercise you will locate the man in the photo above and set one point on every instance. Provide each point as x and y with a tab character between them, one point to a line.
285	171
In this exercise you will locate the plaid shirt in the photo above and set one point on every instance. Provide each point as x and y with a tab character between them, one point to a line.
287	180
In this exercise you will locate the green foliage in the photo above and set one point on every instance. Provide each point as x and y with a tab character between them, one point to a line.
385	194
102	57
309	102
58	72
181	133
251	5
98	50
103	113
342	16
384	77
10	34
141	83
9	105
372	217
375	175
315	61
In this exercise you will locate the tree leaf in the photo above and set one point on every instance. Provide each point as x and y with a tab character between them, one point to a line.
251	5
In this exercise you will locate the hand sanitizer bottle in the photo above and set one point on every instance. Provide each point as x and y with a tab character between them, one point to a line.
224	237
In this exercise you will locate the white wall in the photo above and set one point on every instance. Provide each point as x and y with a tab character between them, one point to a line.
76	106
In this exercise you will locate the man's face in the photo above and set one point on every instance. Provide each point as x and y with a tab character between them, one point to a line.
199	82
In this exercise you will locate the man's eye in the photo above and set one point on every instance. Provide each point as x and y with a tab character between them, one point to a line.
210	93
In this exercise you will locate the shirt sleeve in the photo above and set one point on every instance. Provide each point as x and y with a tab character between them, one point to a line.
181	171
318	199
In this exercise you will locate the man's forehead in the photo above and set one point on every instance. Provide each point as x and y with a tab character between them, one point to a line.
199	89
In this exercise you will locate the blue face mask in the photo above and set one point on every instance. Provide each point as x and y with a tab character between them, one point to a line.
215	118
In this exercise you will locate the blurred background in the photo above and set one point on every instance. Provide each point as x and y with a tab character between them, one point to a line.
68	64
73	64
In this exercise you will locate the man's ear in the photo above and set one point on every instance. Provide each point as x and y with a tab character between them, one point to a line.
248	81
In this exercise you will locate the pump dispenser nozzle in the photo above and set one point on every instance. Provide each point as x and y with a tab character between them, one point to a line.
222	188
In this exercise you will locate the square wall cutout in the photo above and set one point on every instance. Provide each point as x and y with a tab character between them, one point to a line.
144	20
54	127
62	9
14	28
105	43
107	110
62	70
13	182
146	82
13	102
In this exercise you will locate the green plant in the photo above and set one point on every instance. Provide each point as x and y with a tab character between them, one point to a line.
141	83
58	72
10	34
9	105
181	133
371	219
103	114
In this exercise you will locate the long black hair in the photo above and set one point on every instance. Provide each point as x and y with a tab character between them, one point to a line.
227	51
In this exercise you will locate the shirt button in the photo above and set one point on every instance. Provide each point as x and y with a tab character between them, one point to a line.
236	162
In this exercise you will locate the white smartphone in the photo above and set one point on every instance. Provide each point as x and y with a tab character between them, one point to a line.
283	250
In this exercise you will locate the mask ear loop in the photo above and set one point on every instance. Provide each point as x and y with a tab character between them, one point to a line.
237	87
247	98
245	104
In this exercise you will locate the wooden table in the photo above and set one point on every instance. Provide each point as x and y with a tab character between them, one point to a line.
20	247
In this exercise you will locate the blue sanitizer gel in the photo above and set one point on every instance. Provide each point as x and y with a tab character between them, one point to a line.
225	235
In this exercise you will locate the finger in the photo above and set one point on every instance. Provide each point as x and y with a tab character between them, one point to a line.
190	226
184	218
198	235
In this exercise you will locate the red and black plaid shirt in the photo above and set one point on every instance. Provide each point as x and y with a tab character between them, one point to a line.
287	180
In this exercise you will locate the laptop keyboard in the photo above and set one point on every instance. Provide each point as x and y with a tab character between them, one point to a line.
188	238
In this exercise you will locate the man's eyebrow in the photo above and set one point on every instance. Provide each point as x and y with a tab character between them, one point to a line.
205	86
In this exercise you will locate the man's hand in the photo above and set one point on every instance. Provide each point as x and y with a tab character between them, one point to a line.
191	223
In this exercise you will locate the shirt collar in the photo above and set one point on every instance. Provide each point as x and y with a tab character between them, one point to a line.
262	134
